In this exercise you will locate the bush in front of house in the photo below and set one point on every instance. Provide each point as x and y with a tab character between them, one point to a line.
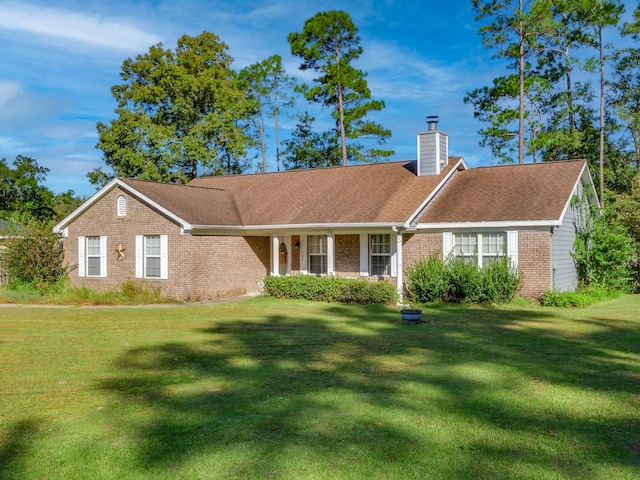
432	280
428	280
582	298
33	256
501	281
330	289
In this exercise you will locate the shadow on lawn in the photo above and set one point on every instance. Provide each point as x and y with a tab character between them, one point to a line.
254	390
19	439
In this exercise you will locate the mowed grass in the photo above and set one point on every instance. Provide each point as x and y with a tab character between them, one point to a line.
271	389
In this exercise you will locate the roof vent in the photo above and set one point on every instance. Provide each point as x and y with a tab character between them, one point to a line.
432	121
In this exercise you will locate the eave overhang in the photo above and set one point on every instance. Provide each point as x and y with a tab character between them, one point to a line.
520	224
116	182
255	230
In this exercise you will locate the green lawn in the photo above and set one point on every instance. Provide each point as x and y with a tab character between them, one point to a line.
272	389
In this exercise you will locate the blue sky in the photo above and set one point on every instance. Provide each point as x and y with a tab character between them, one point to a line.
59	60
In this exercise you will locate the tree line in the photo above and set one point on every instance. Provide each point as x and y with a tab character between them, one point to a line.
566	93
185	112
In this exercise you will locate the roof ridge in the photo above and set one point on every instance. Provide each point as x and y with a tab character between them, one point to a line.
549	162
169	184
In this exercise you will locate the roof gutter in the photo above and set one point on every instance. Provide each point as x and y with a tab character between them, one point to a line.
484	225
257	229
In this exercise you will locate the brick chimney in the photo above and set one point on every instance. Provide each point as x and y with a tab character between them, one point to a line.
433	149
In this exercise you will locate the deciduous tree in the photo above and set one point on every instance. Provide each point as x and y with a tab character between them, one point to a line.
181	113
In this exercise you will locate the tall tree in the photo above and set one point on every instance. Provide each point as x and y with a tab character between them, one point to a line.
514	32
309	149
625	86
603	13
624	95
181	113
270	89
327	45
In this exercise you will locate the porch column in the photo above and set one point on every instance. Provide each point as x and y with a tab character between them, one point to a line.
331	264
275	255
399	267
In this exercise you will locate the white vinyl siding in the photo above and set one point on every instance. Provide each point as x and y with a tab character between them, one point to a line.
152	259
317	246
563	267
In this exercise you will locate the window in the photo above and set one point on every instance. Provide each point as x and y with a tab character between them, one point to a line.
152	256
92	256
318	254
480	248
466	246
122	206
493	247
380	255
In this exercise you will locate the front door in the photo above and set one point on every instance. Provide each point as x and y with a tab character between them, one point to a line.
284	259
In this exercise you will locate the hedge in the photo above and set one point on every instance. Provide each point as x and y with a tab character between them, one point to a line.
330	289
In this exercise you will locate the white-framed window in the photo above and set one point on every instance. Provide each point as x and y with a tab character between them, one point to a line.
152	256
380	254
317	247
494	246
92	256
122	206
465	246
481	248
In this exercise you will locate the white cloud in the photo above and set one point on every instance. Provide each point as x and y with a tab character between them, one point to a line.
114	33
9	144
8	91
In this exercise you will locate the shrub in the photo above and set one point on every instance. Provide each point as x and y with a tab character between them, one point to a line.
428	280
330	289
465	282
501	281
603	251
432	280
581	298
33	256
139	291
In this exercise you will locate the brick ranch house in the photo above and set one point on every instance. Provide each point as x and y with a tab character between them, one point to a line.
217	237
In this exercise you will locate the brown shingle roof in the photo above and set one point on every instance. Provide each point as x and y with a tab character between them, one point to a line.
529	192
198	206
383	192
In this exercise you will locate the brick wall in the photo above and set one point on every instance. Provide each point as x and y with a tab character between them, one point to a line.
199	267
534	257
347	248
417	246
207	267
534	260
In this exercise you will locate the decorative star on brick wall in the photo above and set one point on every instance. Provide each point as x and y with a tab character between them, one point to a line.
120	249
